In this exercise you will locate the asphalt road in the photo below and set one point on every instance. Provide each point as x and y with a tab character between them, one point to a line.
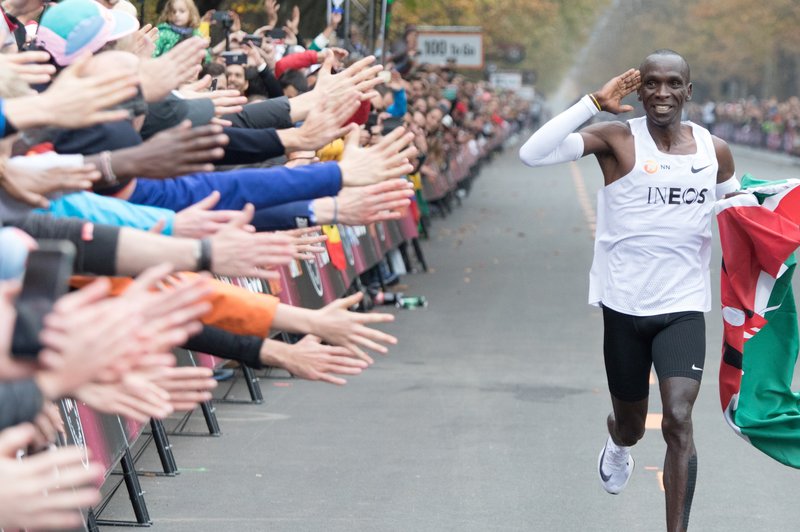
488	416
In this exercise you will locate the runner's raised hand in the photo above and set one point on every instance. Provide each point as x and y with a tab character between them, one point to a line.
611	95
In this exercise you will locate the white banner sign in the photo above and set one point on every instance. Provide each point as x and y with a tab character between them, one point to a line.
506	80
436	48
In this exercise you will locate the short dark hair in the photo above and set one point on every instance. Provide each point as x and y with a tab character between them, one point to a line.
662	52
296	79
212	69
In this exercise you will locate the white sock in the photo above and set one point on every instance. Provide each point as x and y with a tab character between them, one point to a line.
617	448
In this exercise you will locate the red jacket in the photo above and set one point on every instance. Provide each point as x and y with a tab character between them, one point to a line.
296	61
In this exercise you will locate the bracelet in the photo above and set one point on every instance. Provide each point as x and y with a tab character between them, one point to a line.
596	103
335	211
2	120
204	258
105	168
312	216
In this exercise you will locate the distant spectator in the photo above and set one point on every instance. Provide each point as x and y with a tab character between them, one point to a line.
179	20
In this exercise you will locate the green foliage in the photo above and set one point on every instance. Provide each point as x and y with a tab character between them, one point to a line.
551	31
735	47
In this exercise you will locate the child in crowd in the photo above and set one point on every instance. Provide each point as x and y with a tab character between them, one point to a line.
179	20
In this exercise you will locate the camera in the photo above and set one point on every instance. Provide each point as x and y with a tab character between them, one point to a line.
234	58
255	40
277	33
224	18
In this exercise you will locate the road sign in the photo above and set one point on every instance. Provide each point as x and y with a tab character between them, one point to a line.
506	79
437	47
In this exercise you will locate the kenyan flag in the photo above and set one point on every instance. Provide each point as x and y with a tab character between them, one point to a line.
759	233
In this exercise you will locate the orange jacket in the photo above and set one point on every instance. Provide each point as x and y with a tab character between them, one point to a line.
234	309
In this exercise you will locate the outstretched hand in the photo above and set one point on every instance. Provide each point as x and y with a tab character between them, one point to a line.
201	220
310	359
44	491
179	150
181	64
611	95
372	203
387	159
238	252
31	185
337	325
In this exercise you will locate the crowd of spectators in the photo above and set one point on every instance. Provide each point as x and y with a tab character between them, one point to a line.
146	159
762	123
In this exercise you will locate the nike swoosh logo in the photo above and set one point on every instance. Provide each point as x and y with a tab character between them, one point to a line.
603	475
696	368
695	170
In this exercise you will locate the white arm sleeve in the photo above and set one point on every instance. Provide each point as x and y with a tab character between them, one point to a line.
726	187
555	142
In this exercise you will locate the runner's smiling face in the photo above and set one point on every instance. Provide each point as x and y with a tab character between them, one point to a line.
665	88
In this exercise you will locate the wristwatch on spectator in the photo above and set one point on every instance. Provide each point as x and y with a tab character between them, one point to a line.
203	255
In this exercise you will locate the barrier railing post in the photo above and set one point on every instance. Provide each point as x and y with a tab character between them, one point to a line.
206	407
419	254
251	379
135	494
91	522
209	413
163	447
406	260
135	491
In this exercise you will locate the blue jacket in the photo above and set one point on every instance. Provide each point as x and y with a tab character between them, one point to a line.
263	187
109	211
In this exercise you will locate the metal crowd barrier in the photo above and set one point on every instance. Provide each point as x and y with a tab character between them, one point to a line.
787	141
309	283
440	184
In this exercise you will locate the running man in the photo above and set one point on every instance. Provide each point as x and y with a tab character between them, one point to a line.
650	272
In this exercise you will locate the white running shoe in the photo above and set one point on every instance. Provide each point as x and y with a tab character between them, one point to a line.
615	465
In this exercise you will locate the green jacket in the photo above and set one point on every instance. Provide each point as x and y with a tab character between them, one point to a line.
168	38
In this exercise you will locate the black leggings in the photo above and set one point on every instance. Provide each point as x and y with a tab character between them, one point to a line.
674	343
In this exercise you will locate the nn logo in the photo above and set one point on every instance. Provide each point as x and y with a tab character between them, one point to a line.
675	196
651	167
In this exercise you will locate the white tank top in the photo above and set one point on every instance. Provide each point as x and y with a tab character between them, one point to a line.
653	241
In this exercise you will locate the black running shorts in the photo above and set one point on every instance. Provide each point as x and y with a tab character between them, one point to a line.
674	343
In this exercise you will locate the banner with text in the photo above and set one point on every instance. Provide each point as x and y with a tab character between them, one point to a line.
464	49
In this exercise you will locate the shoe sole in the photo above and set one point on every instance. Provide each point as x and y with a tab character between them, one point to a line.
633	468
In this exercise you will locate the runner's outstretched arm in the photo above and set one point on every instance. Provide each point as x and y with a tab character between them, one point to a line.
556	142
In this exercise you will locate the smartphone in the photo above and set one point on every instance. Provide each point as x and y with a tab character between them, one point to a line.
391	123
277	33
46	279
213	85
235	58
254	39
372	121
